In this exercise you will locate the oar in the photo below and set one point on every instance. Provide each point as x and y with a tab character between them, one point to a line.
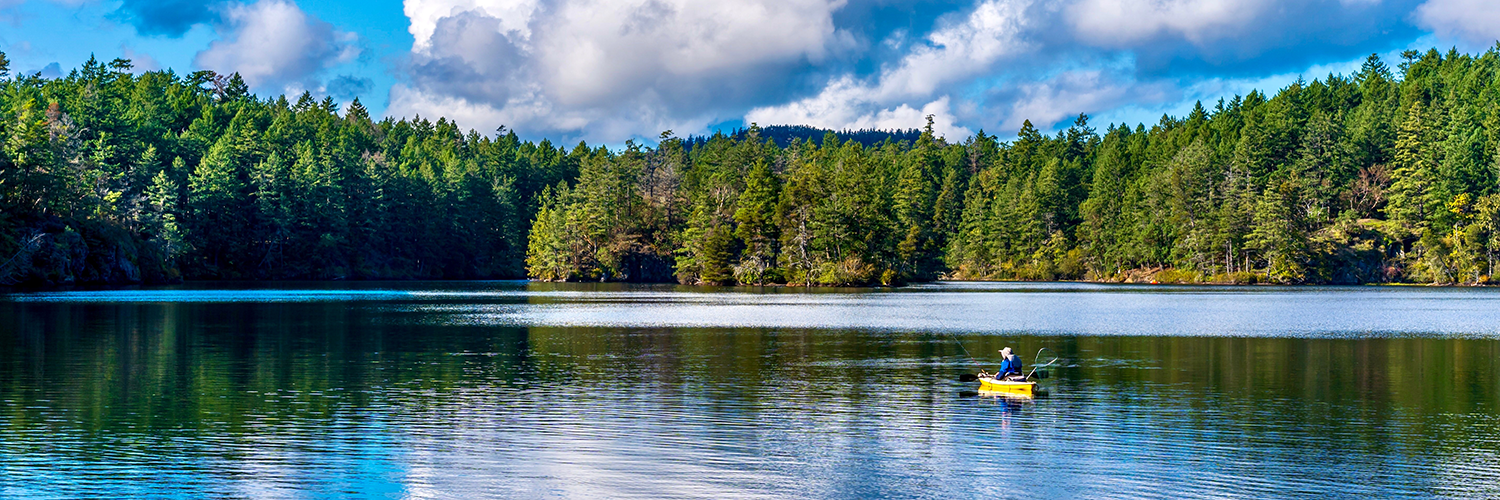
968	377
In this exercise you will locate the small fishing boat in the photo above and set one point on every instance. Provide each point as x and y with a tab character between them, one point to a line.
1007	387
1015	385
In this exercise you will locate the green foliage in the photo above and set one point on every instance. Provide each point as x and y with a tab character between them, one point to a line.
1277	235
1342	180
1373	177
755	221
109	177
549	253
1174	276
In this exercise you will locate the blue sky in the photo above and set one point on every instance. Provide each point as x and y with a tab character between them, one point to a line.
611	70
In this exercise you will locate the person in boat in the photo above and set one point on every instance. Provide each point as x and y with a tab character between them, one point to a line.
1010	365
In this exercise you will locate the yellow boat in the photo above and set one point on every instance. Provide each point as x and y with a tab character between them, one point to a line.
1007	387
1018	386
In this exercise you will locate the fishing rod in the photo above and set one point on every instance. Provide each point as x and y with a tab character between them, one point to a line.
1036	365
967	377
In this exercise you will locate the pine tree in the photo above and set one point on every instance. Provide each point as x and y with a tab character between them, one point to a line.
219	205
755	226
1277	236
162	226
1412	181
549	256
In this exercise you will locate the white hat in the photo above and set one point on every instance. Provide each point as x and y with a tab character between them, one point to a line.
1005	351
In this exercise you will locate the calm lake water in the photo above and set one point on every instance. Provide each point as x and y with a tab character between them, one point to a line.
525	390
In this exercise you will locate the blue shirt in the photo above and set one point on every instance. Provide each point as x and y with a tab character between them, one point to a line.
1010	365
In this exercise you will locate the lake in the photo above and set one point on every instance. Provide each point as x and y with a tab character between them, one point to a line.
533	390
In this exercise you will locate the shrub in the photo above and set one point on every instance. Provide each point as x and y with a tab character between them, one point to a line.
1175	276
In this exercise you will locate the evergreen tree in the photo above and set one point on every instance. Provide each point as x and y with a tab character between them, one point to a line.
1277	236
1412	190
755	219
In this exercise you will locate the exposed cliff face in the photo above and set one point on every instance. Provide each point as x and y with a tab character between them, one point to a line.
53	253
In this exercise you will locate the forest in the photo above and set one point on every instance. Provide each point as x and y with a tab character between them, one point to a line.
1387	175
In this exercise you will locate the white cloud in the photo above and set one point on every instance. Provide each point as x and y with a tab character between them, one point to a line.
956	52
602	50
846	105
1473	21
1069	93
991	32
273	43
843	102
513	15
1117	23
532	111
607	70
826	111
614	67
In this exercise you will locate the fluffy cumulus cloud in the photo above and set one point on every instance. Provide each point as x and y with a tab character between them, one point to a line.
275	46
1127	22
1474	21
991	33
608	70
846	104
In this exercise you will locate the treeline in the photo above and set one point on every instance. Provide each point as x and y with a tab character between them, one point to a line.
1378	176
784	135
108	177
1371	177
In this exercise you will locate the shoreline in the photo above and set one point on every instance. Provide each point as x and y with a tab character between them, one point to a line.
132	286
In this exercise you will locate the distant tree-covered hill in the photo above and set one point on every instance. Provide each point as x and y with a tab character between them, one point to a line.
783	135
